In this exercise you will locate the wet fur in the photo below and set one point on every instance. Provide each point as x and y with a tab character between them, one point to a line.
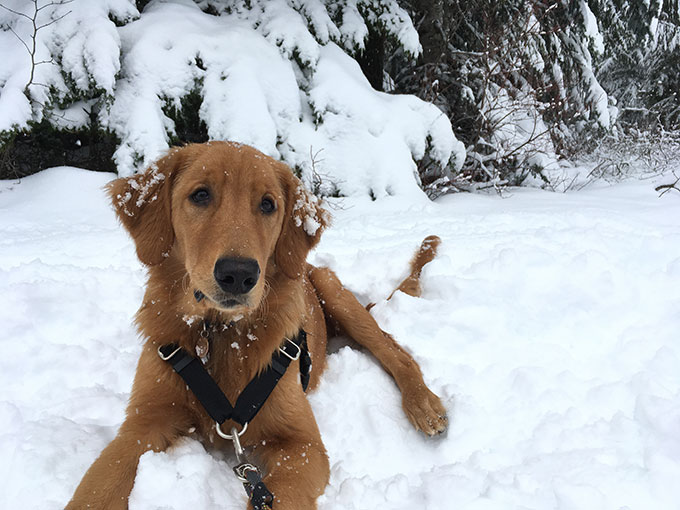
179	245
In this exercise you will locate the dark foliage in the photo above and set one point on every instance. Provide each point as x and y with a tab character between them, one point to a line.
43	146
189	128
488	63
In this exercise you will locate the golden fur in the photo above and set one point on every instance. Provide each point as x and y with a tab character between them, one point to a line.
180	243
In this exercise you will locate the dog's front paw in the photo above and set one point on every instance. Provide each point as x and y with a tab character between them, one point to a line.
425	410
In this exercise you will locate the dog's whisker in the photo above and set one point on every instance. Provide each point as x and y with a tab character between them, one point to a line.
268	289
174	275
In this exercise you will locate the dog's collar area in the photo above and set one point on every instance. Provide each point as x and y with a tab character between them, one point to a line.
248	403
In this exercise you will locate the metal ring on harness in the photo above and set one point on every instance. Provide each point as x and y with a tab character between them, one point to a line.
292	358
163	356
230	436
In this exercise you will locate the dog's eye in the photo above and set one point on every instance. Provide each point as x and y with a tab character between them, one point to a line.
267	205
201	196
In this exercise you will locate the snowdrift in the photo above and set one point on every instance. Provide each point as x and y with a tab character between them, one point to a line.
548	325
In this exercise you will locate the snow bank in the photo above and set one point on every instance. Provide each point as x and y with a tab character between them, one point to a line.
548	325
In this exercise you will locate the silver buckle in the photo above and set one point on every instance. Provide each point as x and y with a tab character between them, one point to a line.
299	351
166	358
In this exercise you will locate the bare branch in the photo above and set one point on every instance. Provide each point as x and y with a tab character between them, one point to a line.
16	12
50	4
32	47
20	40
667	187
53	21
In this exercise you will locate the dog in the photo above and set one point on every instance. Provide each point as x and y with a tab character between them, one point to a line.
224	231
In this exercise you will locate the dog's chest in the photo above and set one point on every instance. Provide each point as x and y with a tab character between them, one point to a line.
232	357
232	361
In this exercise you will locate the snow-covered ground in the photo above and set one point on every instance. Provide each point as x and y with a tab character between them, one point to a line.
549	325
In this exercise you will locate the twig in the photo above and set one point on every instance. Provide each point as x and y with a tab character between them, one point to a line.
15	12
667	187
32	48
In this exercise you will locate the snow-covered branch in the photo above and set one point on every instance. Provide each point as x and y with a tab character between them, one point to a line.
32	37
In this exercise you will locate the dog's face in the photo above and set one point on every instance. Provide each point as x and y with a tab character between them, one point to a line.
232	215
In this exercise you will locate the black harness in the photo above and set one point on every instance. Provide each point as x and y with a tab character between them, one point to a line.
248	403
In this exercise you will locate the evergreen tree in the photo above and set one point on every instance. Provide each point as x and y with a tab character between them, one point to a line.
515	77
642	66
276	74
111	83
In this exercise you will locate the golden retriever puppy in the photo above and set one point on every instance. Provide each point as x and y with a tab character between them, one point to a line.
225	232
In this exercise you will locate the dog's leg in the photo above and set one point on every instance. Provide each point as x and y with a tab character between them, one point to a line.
108	482
153	422
422	407
295	459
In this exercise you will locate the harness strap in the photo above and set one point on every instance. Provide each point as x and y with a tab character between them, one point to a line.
256	392
199	382
249	402
305	363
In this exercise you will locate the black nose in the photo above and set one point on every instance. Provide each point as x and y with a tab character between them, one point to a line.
236	275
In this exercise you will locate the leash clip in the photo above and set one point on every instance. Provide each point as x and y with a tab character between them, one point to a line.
249	474
235	438
243	468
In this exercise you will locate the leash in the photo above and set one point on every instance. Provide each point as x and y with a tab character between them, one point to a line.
251	477
247	405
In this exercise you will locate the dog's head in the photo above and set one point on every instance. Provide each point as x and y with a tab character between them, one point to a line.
230	214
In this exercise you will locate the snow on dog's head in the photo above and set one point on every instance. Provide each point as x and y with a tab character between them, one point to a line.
307	211
225	215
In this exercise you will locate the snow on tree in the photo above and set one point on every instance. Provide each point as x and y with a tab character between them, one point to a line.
278	75
641	68
517	79
112	83
59	52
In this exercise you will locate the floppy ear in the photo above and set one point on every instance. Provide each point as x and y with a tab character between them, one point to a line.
142	203
303	223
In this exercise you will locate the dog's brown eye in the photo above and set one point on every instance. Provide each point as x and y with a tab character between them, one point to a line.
267	205
201	196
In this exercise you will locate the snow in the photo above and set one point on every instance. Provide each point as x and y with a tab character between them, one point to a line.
276	75
518	125
592	30
305	211
367	140
596	96
548	325
79	34
255	95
